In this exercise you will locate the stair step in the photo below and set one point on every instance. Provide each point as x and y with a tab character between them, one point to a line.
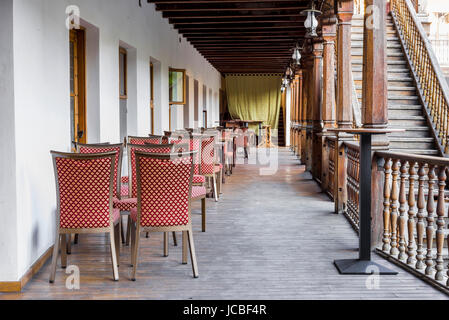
391	97
404	107
391	88
389	62
390	78
417	151
359	52
359	44
410	139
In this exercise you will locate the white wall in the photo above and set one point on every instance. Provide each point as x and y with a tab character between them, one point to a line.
40	119
8	216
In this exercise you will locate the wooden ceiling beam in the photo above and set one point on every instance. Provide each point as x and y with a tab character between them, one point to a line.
239	36
232	6
211	1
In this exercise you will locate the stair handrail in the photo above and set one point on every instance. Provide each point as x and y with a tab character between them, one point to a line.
432	85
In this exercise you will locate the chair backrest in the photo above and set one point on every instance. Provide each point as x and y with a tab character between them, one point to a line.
143	140
84	189
150	148
164	185
106	148
208	155
194	144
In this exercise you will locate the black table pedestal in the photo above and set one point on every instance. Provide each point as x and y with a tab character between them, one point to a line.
363	265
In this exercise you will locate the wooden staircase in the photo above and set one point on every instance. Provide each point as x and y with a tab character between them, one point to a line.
404	106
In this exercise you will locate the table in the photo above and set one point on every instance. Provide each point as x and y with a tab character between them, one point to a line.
364	265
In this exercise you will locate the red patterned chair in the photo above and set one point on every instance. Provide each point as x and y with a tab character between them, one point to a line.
209	166
163	184
84	191
228	150
130	201
143	140
119	188
199	189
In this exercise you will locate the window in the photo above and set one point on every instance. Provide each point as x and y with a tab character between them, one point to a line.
177	86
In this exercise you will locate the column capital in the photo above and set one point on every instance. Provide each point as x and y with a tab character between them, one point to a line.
329	30
345	11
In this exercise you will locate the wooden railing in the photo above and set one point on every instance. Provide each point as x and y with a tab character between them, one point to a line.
331	145
414	213
352	183
433	88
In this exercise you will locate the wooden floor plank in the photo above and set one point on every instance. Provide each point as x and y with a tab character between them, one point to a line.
269	237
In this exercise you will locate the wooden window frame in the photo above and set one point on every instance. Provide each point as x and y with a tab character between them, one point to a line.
183	87
125	70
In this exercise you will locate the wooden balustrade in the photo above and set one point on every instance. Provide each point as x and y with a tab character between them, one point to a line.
331	145
414	213
434	91
352	184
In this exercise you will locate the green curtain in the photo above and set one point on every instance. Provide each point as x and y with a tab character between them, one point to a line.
254	97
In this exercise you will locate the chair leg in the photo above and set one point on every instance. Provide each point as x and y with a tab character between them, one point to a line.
175	241
147	235
214	178
112	241
184	247
135	250
122	231
54	258
220	182
132	230
192	254
128	230
165	244
203	214
76	241
64	251
117	236
69	244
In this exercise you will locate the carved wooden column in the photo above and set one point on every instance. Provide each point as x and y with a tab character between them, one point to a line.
292	118
374	99
308	96
317	93
298	81
304	110
345	10
329	29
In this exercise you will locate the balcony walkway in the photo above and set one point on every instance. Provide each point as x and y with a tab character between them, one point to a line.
269	237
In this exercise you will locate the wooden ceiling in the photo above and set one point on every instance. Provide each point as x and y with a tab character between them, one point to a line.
235	36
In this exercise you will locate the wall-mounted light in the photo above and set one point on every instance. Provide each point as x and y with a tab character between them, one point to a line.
297	55
311	22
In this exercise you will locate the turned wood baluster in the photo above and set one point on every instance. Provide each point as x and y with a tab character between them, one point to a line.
420	224
402	216
394	208
411	214
430	220
386	213
440	223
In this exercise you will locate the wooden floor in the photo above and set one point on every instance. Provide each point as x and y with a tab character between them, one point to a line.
269	237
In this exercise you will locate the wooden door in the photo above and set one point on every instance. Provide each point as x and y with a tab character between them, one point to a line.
78	86
152	96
